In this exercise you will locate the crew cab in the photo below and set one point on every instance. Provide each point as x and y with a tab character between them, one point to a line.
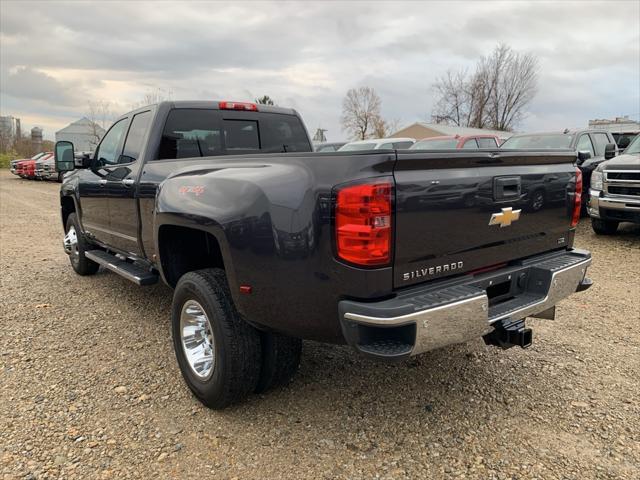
614	196
266	243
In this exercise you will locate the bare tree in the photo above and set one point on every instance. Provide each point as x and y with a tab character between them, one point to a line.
360	111
265	100
494	96
514	86
383	128
100	117
156	95
153	96
453	105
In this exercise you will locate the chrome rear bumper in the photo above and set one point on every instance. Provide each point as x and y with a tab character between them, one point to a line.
423	319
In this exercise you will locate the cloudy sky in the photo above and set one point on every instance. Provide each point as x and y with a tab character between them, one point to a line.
57	56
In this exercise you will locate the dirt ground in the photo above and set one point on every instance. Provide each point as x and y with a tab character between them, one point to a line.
89	386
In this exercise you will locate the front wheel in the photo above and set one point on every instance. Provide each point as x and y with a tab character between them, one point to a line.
604	227
218	353
75	246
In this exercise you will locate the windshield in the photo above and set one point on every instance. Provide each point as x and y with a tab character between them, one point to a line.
634	146
436	144
37	156
544	141
351	147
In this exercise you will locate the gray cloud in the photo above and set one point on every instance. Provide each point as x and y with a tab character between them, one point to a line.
58	55
26	83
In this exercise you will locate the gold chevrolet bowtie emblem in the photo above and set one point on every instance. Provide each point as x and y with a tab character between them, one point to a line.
505	218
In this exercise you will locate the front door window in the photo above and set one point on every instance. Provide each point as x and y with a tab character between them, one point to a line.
107	153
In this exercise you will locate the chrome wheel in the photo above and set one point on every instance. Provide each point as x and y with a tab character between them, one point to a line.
197	339
71	244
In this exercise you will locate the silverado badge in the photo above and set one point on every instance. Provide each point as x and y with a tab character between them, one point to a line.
505	218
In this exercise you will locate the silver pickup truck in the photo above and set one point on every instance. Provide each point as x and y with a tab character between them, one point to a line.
614	196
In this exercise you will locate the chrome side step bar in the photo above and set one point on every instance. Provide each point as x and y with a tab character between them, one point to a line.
130	271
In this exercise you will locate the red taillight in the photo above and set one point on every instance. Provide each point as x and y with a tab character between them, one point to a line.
363	223
252	107
577	201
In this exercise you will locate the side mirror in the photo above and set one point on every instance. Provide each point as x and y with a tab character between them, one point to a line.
64	157
583	156
609	151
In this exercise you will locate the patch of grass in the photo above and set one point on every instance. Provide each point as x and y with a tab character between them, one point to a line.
5	159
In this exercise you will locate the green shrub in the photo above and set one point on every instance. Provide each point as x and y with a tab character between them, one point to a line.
5	159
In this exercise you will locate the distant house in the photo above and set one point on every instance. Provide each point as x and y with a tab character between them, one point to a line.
420	130
84	134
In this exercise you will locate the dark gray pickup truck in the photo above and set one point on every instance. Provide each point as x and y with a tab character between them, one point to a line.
266	243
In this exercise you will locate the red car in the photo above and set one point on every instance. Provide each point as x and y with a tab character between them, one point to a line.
27	168
456	142
14	163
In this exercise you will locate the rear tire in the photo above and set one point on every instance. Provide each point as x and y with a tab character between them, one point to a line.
280	360
231	369
604	227
80	263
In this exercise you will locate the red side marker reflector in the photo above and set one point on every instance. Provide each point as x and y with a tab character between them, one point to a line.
245	289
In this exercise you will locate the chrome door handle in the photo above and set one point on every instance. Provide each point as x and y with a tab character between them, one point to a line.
128	182
102	182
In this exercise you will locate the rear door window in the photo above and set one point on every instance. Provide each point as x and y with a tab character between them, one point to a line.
402	145
487	142
470	144
192	132
135	137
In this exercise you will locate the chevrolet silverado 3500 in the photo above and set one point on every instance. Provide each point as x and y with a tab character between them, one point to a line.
266	243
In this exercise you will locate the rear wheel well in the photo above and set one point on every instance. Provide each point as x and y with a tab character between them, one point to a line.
184	250
68	207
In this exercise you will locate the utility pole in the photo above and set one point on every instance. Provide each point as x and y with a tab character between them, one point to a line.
320	136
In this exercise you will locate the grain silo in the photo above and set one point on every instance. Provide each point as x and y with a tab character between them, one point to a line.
36	139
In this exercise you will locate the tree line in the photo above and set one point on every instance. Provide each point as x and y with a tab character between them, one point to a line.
494	96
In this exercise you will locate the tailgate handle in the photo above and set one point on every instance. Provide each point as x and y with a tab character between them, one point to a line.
505	188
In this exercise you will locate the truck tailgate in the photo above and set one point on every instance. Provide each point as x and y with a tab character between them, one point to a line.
457	211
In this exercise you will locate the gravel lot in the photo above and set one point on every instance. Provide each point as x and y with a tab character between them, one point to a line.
89	387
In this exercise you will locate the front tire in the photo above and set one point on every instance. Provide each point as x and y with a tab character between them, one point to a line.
217	351
75	246
604	227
